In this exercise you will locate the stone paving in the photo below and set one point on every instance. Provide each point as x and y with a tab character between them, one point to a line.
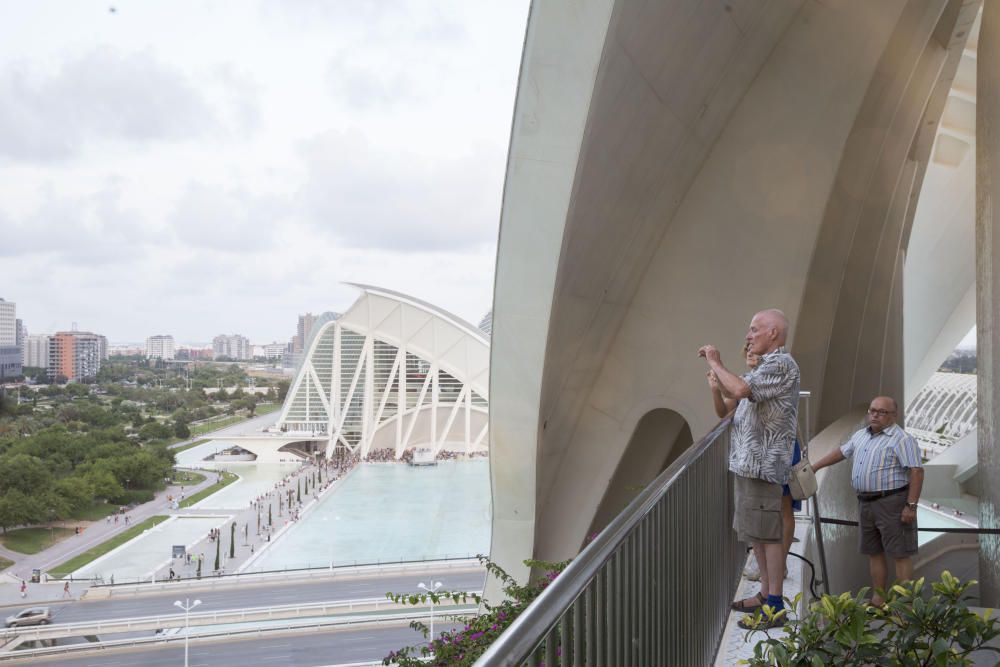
285	505
734	646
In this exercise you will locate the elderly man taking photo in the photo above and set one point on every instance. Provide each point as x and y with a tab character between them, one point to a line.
887	475
761	443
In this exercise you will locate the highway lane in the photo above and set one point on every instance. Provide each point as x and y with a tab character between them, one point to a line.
245	594
286	650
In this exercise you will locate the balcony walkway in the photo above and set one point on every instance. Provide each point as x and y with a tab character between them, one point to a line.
734	646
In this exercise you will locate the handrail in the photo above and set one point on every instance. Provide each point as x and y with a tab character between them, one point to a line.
569	611
391	618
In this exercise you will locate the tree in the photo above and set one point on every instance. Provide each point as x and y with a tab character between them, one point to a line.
75	491
232	540
103	483
181	430
155	431
283	386
15	509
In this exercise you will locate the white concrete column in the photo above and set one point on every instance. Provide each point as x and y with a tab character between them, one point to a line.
988	294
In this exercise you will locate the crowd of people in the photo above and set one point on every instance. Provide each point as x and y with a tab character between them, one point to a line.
388	455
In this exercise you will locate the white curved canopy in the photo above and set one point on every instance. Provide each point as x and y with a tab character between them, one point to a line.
392	372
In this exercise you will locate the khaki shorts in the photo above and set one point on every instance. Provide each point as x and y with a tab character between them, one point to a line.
758	510
882	529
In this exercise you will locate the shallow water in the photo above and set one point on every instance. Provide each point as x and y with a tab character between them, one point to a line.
392	512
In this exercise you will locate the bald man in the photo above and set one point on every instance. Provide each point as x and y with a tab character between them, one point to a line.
887	475
762	438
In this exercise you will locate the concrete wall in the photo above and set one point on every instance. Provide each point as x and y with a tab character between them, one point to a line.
735	156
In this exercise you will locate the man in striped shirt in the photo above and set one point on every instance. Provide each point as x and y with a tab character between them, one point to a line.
887	475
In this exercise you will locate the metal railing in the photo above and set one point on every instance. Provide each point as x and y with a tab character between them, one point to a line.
297	626
310	610
653	588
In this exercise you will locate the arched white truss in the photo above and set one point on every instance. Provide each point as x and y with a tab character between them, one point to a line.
392	372
943	411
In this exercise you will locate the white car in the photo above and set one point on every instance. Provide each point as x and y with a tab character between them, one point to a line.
31	616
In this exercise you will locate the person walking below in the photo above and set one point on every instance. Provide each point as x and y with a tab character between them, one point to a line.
24	588
66	593
887	475
761	441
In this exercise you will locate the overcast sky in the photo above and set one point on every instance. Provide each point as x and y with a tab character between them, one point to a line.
193	168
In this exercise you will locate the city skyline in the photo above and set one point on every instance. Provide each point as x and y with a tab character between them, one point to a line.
203	188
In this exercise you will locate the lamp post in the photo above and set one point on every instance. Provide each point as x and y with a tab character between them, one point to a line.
187	627
432	590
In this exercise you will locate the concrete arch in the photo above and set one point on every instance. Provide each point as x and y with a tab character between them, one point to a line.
659	437
707	161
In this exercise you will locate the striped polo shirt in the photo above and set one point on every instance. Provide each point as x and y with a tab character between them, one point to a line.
881	460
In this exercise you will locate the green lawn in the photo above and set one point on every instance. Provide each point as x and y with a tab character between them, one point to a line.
267	408
178	450
227	479
202	429
77	562
33	540
95	512
188	478
5	563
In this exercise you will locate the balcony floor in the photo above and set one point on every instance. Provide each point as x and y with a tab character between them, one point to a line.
734	646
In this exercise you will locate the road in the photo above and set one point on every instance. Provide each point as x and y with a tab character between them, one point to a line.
286	650
249	427
245	594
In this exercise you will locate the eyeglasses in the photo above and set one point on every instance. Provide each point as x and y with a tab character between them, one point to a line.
880	413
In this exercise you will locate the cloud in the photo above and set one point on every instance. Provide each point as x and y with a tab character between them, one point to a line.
101	95
83	230
226	219
366	88
368	197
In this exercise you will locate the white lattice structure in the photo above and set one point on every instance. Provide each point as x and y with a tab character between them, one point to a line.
943	411
392	372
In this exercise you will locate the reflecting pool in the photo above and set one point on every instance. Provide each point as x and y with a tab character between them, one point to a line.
391	512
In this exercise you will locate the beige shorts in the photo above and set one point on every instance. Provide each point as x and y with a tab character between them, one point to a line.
758	510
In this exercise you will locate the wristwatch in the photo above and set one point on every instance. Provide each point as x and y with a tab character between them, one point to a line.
912	506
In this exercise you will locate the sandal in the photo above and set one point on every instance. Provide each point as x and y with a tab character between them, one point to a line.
741	605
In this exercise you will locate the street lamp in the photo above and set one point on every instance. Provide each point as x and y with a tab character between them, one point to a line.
187	627
434	588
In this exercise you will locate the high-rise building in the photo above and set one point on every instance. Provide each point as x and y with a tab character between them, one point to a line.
234	347
76	355
8	323
302	332
160	347
10	351
36	351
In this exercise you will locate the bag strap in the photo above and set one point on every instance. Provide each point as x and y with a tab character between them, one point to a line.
802	441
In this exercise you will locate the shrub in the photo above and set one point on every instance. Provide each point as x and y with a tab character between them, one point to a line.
911	629
132	496
462	647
